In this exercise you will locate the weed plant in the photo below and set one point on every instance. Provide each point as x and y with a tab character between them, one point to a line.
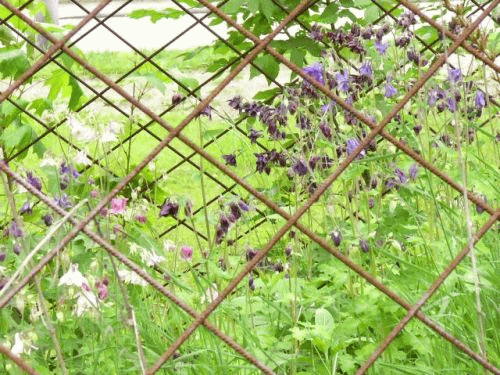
300	311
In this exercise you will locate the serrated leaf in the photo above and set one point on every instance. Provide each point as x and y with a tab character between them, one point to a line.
156	15
269	65
330	14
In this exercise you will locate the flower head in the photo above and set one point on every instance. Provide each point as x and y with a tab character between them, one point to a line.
480	99
186	253
351	145
230	159
336	237
381	47
73	277
366	69
454	75
34	181
316	71
169	208
390	90
413	171
118	205
343	80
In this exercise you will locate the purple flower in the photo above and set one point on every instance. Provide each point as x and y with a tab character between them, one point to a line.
480	99
371	203
401	176
413	171
243	206
207	111
186	253
351	145
300	168
316	71
390	90
253	135
326	130
48	220
63	201
230	159
336	237
452	104
329	106
380	46
343	80
141	218
235	103
262	163
169	208
26	209
251	284
454	75
15	230
176	98
34	181
433	97
366	70
364	246
251	254
2	258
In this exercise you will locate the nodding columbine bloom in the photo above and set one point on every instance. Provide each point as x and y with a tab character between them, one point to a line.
316	33
251	284
326	130
207	112
300	168
381	47
230	159
390	90
26	209
336	237
63	201
452	104
401	176
316	71
371	203
366	70
413	171
364	246
118	205
34	181
186	253
176	98
454	75
141	218
243	206
351	145
169	208
250	254
343	80
48	220
480	99
433	97
253	135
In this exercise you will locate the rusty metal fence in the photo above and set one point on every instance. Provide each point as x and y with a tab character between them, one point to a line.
63	45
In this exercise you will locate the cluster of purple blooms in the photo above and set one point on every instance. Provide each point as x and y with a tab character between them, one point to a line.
227	219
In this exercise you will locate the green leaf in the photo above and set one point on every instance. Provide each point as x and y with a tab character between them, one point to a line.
233	7
330	14
13	62
267	94
76	93
157	15
324	319
190	83
269	65
267	7
151	78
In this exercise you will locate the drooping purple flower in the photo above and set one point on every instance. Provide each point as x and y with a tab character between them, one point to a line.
401	176
328	106
371	202
316	33
326	130
351	145
262	163
63	201
433	97
413	171
251	253
381	47
390	90
366	70
253	135
235	103
390	183
26	209
480	99
15	230
251	284
303	122
364	246
343	80
34	181
207	111
480	209
48	220
452	104
17	249
336	237
230	159
300	168
141	218
243	206
454	75
176	99
316	71
169	208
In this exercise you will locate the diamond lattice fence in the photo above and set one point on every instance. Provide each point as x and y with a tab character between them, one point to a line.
319	193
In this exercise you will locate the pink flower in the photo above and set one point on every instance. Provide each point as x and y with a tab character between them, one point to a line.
141	218
118	205
186	252
103	290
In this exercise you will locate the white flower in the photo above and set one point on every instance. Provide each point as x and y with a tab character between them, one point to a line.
85	300
130	277
169	246
73	277
49	161
18	347
108	137
81	158
151	258
80	132
210	294
115	128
